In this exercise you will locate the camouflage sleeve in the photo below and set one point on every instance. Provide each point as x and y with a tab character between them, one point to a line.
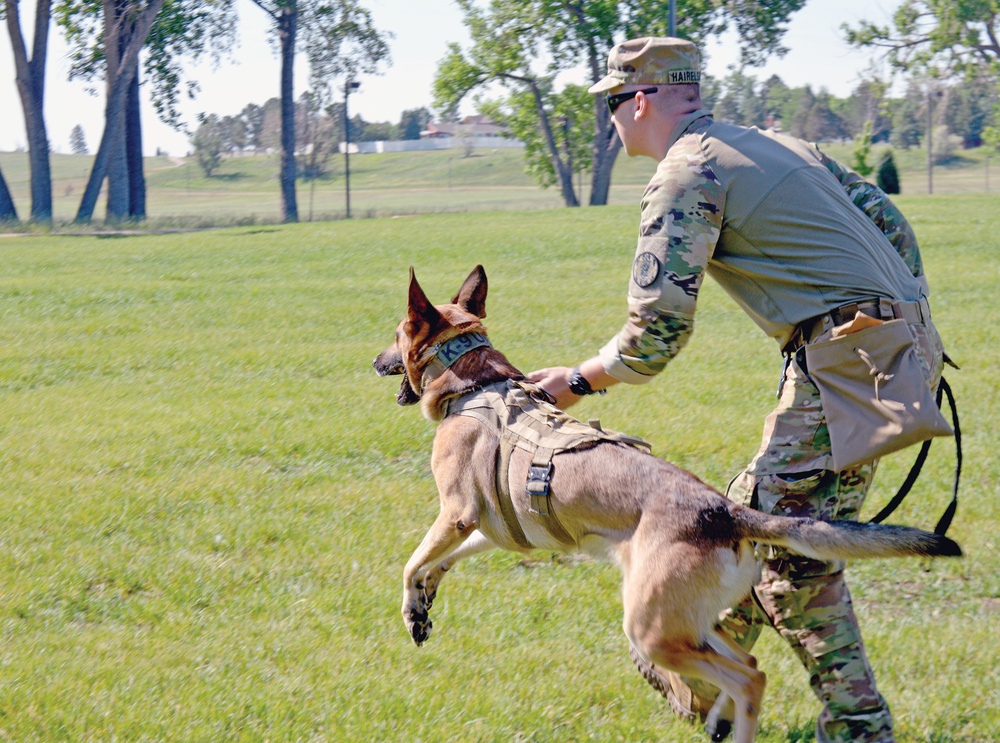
875	203
681	220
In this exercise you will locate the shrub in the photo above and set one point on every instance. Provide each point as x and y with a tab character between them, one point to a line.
887	176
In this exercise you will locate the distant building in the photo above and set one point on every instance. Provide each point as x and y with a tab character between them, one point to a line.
471	126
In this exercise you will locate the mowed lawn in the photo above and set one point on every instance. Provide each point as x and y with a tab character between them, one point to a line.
208	496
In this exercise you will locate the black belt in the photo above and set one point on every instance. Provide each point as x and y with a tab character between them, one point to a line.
883	309
880	308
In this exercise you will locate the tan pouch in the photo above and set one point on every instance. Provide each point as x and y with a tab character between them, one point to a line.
873	391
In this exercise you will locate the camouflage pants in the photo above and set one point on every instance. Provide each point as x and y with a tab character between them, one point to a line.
805	600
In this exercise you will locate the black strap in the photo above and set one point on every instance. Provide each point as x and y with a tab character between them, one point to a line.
949	512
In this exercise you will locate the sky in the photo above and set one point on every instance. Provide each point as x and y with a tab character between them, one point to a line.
817	56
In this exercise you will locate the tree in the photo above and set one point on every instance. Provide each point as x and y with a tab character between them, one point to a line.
908	119
572	126
822	122
949	35
969	107
777	100
101	31
991	134
132	23
862	151
887	176
945	144
412	122
866	105
509	37
253	120
77	141
339	38
207	143
317	136
8	212
740	102
30	74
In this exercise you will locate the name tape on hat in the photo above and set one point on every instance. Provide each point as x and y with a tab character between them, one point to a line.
679	77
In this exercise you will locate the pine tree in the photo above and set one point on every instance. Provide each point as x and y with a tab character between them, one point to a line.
77	142
887	176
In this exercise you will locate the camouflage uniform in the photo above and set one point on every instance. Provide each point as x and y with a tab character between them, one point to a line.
789	243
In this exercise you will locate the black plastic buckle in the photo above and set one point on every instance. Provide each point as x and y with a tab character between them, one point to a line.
537	487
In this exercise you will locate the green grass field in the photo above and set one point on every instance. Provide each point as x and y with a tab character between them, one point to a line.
245	190
209	496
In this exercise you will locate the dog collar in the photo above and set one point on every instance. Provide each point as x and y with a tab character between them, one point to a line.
455	348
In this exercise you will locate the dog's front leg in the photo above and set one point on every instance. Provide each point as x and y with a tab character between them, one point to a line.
445	536
476	544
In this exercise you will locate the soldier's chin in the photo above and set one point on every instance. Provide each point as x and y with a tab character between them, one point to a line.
406	395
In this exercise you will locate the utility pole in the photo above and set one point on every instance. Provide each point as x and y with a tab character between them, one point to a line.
672	28
349	85
930	140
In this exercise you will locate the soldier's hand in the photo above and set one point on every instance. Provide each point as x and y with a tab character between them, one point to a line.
555	381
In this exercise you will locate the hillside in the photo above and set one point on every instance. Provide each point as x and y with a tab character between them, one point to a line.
246	189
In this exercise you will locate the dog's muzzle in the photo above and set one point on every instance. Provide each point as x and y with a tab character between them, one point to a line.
390	363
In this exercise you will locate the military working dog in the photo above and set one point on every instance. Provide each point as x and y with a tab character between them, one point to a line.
515	472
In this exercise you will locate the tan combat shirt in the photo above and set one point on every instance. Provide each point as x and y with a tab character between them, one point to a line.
788	233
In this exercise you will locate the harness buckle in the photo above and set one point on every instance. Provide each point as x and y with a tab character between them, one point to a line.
537	487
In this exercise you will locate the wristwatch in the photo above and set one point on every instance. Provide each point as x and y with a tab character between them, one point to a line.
579	385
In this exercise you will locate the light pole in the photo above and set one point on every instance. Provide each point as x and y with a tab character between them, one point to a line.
349	85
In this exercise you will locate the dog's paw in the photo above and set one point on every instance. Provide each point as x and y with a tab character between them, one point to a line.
430	585
419	624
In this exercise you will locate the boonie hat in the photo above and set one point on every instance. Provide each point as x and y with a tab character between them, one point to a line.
651	60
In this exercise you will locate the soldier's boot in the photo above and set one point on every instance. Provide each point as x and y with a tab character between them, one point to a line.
688	704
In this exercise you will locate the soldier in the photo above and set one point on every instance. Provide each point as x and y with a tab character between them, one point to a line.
802	245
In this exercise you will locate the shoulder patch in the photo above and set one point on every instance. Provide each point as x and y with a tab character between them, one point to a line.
645	269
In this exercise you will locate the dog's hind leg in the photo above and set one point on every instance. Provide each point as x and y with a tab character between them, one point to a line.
719	721
476	544
671	600
742	686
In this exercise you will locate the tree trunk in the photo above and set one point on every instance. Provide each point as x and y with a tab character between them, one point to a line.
8	213
606	142
133	152
287	23
606	149
115	123
564	174
116	37
31	88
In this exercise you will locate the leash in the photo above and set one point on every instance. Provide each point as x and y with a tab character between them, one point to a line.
949	513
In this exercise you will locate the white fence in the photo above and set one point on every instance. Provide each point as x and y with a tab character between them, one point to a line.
444	143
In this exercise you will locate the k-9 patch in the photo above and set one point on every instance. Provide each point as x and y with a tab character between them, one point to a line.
645	269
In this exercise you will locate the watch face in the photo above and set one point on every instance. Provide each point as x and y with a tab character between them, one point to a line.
645	269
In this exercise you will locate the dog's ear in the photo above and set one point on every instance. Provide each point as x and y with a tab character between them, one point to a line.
472	296
419	308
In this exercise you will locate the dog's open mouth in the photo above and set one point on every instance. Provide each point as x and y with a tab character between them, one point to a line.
406	394
390	364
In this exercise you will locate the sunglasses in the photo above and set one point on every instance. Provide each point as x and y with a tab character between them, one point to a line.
614	101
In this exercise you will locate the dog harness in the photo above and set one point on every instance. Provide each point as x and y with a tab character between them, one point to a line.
523	418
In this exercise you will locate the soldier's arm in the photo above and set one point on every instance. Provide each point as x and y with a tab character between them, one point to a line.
681	220
875	203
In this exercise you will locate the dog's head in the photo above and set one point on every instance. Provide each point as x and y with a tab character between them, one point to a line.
426	327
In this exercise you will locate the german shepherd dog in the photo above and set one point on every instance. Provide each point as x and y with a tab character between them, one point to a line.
686	553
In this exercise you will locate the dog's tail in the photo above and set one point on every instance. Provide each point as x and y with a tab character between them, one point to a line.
841	540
